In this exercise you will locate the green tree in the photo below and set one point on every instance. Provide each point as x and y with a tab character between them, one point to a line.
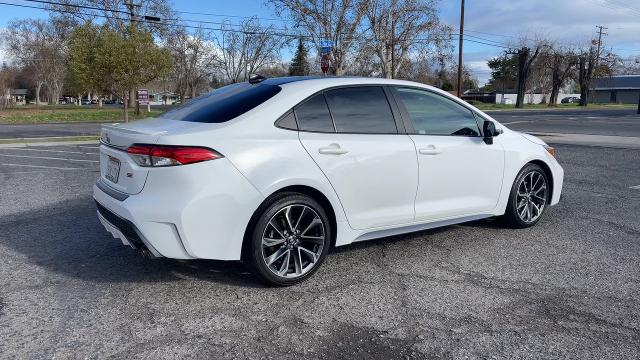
116	62
504	71
82	68
447	86
130	60
299	65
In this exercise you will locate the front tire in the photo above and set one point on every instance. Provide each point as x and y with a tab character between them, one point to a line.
289	240
528	198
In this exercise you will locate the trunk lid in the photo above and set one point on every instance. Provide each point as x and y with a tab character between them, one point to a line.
117	168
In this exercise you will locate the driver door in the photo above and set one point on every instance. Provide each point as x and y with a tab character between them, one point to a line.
459	175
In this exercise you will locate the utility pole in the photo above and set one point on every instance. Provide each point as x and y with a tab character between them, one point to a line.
132	24
461	35
393	45
600	33
597	59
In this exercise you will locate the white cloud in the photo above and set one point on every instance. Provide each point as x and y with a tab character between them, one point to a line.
571	22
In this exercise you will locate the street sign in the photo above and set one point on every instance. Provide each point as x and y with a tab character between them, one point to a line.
143	96
325	46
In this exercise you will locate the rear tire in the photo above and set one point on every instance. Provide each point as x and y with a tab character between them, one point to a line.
289	240
529	197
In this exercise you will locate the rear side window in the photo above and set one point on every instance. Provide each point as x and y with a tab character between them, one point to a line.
313	115
223	104
361	110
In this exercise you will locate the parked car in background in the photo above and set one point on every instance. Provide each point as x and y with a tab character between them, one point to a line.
275	172
86	102
62	101
570	100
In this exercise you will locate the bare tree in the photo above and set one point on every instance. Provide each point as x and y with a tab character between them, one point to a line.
526	57
335	20
586	63
561	61
7	82
398	27
39	45
242	52
193	61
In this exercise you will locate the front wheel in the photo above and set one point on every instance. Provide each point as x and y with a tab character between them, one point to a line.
528	198
289	240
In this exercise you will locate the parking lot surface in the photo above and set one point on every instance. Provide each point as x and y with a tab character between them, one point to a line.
566	288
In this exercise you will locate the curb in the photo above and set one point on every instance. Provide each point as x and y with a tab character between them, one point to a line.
48	141
558	109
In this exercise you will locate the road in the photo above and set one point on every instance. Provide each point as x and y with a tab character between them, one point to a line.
567	288
618	122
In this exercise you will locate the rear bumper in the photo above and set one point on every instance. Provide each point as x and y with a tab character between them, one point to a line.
194	211
124	230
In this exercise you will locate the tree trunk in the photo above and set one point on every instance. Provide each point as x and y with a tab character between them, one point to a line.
38	88
582	80
126	108
555	87
79	100
522	76
132	97
100	102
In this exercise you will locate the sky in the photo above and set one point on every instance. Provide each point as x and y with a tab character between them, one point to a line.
495	23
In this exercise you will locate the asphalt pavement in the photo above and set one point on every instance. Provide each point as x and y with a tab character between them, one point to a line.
566	288
618	122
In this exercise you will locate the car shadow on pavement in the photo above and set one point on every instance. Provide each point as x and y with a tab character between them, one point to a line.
67	238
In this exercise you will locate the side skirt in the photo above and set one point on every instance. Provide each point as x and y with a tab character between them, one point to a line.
418	227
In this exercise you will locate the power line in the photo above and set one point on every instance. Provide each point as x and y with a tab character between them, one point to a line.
258	31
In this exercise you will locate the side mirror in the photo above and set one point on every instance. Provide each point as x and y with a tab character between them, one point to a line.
489	131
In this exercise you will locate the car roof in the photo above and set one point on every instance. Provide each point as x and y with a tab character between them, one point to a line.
332	81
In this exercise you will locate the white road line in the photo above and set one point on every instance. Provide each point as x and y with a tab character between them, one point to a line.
88	147
49	158
55	151
637	187
518	122
40	167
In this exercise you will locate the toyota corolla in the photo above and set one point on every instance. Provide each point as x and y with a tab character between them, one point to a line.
275	172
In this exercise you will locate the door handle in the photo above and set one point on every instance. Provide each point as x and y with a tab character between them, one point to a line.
429	150
332	149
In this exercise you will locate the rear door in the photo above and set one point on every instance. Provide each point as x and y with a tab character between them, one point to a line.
459	174
352	135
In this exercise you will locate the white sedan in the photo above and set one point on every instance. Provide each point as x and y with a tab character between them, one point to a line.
274	172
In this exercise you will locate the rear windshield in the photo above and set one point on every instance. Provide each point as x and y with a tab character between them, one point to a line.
223	104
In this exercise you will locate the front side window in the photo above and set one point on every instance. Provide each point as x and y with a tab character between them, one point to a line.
361	110
313	115
223	104
433	114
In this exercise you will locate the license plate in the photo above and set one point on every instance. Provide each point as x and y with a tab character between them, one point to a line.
113	169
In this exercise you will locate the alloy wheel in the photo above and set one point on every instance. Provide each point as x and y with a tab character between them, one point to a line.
532	196
293	240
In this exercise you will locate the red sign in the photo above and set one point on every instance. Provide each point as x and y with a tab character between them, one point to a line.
324	63
143	96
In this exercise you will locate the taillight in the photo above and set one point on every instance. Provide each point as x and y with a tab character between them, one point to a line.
170	155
